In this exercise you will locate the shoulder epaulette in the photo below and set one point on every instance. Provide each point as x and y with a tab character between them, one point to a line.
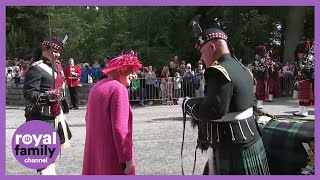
222	70
37	63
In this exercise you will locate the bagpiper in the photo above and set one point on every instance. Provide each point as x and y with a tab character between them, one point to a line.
259	73
271	74
305	69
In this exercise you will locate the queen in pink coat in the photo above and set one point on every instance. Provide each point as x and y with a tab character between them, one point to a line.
109	145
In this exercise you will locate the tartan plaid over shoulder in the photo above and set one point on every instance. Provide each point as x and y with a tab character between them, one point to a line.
283	145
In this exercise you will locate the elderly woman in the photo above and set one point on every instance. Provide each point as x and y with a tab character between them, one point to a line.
109	144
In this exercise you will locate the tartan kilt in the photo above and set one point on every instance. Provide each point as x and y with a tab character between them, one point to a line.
271	85
260	90
305	91
283	144
250	160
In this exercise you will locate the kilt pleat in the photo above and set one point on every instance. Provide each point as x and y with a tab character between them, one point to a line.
250	160
255	159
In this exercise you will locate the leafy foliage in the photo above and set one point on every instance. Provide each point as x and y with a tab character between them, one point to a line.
156	33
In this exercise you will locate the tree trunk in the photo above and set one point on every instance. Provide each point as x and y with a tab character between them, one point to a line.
295	28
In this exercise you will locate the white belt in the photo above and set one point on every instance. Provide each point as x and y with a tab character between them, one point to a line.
236	116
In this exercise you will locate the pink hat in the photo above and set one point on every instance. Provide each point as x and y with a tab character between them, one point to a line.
125	60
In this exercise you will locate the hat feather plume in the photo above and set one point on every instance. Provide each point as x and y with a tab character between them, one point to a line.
64	41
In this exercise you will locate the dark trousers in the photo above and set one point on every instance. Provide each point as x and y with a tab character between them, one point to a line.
74	96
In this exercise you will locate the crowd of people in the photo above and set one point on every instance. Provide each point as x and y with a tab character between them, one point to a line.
167	84
227	128
16	70
178	79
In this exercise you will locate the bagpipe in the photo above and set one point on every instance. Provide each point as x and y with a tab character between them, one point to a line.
270	63
259	66
310	57
306	66
258	69
310	61
265	63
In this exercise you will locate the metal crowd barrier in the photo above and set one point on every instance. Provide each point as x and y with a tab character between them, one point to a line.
287	84
167	90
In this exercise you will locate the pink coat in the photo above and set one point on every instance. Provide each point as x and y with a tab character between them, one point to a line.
108	143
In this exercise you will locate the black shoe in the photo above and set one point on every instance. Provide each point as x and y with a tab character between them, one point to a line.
296	114
74	108
299	115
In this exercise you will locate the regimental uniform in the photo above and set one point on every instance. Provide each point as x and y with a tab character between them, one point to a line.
271	74
73	74
260	74
305	69
225	116
38	81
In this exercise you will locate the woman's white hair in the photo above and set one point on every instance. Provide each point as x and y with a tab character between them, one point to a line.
85	65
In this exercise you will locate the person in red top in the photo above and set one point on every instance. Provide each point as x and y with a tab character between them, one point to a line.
73	74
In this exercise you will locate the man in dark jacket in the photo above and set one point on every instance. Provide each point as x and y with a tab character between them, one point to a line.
227	128
44	92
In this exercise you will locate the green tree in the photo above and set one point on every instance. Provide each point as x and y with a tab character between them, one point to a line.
156	33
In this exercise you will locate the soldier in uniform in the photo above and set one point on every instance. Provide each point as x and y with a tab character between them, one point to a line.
305	69
44	92
73	75
225	116
259	73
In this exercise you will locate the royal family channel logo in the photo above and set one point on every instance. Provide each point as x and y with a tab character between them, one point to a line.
35	144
